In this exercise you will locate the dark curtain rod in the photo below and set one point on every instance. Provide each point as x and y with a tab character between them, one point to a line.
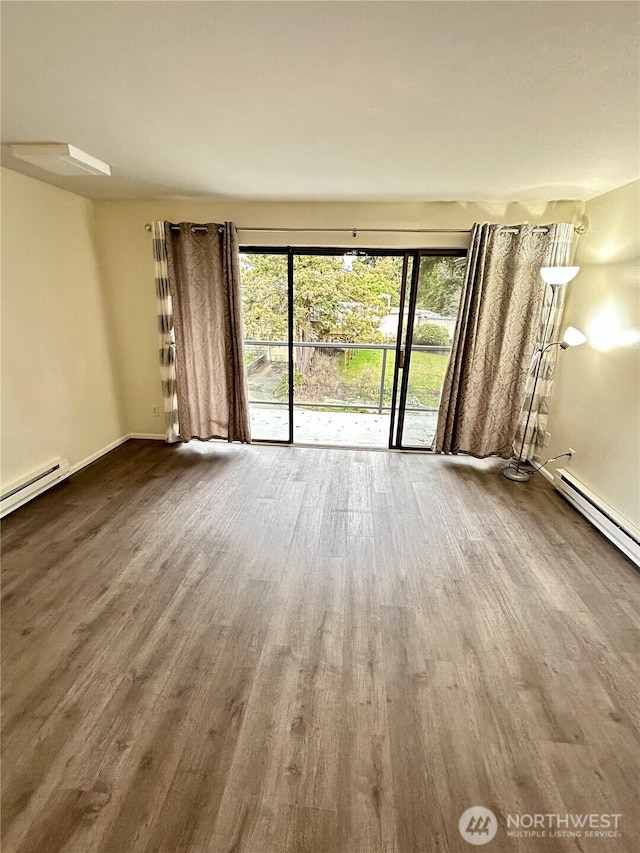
353	231
579	229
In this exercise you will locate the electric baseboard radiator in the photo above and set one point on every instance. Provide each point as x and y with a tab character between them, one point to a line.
34	484
621	532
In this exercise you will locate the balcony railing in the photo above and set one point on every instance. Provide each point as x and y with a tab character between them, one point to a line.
379	407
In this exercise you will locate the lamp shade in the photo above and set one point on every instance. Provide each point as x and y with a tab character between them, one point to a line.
559	275
572	338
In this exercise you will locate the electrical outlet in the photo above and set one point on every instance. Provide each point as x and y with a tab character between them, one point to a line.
571	453
155	411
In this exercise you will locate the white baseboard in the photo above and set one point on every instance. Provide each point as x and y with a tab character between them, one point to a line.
547	475
623	533
27	488
78	466
89	459
83	464
152	435
104	450
72	469
112	446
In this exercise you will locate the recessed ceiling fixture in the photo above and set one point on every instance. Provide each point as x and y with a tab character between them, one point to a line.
61	158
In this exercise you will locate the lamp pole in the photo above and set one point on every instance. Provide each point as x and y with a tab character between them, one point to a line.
518	473
555	277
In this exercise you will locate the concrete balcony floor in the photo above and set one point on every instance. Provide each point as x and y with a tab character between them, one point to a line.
342	429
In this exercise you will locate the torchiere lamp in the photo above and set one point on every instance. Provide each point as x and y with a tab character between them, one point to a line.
555	277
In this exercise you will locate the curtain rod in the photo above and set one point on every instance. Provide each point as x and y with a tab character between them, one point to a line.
354	231
579	229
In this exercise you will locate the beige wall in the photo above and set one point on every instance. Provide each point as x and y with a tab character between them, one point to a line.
79	360
596	398
127	264
59	395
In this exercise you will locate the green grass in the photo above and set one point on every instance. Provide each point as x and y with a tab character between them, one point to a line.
426	375
250	357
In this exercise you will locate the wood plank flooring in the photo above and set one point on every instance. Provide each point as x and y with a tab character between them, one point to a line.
223	649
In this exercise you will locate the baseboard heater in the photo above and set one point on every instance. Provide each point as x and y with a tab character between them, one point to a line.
34	484
621	532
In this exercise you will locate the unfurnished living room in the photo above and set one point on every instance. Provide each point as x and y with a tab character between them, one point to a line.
320	475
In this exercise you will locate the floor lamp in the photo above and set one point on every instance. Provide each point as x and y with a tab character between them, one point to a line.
555	277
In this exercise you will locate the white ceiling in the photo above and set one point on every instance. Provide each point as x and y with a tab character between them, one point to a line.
329	100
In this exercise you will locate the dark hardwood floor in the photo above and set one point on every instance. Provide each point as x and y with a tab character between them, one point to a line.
224	649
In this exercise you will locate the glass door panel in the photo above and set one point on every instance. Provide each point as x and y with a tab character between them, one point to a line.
345	318
347	348
397	410
435	297
432	295
265	311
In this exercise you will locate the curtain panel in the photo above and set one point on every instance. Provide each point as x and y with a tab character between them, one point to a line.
560	255
496	331
204	279
166	337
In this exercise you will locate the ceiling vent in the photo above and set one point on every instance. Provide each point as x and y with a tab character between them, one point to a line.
62	159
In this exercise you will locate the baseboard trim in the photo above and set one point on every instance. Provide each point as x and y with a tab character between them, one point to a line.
109	447
67	471
547	475
36	483
620	531
150	435
78	466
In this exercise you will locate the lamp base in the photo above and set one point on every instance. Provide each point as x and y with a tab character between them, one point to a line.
516	474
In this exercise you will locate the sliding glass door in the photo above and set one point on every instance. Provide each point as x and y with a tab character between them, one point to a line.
266	310
345	308
431	286
347	348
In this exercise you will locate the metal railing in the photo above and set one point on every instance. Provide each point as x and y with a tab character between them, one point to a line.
378	408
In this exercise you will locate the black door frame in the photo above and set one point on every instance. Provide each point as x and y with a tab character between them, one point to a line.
403	353
404	350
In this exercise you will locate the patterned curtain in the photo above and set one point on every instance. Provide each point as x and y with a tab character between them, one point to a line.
495	335
560	255
204	279
166	335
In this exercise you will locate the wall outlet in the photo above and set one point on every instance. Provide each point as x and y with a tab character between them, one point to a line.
571	453
155	411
